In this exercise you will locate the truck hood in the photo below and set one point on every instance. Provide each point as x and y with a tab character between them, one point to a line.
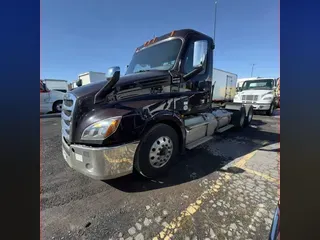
127	81
255	92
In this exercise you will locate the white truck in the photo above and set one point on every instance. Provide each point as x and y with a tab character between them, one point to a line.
56	84
224	86
50	100
259	92
90	77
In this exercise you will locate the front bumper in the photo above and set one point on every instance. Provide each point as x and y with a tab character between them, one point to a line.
261	106
100	163
256	105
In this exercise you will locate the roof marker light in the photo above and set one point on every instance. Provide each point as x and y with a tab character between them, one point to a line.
172	33
154	39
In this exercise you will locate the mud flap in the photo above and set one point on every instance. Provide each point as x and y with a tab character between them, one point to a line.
237	106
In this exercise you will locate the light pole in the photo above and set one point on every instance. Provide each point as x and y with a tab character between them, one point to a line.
252	69
214	42
215	21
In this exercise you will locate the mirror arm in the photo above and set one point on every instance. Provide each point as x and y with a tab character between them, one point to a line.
104	91
193	73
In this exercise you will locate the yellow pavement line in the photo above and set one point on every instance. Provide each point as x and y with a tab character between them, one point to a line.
168	231
244	159
265	176
185	215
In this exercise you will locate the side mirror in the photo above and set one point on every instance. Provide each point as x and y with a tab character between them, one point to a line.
200	51
113	72
113	75
79	83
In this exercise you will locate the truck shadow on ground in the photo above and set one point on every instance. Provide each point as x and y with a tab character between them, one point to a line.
264	113
257	122
199	162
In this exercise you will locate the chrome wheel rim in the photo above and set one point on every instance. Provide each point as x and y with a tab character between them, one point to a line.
160	152
59	107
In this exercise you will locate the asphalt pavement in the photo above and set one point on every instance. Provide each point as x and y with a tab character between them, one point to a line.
225	189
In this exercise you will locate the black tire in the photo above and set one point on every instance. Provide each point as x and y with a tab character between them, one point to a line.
249	117
142	163
271	109
57	106
238	117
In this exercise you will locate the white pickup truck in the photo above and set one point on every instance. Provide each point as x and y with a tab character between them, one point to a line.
50	100
259	92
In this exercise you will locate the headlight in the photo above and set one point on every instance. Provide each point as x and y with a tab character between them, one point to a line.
102	129
267	98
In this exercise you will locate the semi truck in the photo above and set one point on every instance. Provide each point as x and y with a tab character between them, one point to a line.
224	86
260	92
141	121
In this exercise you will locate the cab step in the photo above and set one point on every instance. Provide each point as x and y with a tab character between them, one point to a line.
225	128
198	142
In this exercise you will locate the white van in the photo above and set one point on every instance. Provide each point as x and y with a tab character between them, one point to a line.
50	100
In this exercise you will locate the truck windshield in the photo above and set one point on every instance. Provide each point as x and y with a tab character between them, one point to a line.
258	84
161	56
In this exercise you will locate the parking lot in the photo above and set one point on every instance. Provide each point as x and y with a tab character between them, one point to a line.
227	188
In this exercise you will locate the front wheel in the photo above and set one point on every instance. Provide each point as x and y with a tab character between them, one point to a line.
57	106
239	117
249	116
157	151
271	109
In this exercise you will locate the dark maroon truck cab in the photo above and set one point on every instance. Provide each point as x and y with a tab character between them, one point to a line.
142	120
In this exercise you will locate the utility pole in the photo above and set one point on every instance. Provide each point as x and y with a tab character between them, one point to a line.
252	69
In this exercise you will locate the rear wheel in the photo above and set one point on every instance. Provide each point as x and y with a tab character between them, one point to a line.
57	106
239	117
249	116
157	151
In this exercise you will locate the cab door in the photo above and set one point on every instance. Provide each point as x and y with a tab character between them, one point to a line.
197	89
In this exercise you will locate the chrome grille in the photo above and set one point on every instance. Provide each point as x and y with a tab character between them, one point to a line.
252	98
66	115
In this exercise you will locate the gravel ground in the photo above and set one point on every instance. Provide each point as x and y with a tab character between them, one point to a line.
224	189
